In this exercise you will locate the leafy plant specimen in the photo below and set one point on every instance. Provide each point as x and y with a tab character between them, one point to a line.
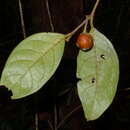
32	63
35	59
98	70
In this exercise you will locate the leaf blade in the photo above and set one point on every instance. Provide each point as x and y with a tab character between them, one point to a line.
95	68
32	63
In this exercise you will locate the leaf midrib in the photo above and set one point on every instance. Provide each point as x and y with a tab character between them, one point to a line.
49	49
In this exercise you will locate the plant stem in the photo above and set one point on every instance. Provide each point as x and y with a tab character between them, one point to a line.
88	17
50	125
64	92
93	13
22	19
55	117
69	35
68	115
49	15
85	26
36	121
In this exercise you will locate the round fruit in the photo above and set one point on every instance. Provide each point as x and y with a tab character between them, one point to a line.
84	41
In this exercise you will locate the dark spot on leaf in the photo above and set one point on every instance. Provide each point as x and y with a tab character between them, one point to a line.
102	56
93	80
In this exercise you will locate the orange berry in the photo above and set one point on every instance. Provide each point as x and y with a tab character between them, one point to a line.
84	41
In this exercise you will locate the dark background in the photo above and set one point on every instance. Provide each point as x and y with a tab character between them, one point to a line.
112	19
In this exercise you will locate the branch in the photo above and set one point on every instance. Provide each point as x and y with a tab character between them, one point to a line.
69	35
22	19
36	121
68	115
93	13
88	18
49	15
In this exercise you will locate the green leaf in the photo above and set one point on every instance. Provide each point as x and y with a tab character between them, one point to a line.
98	70
32	63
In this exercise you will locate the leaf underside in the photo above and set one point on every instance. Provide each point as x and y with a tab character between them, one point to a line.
98	70
32	63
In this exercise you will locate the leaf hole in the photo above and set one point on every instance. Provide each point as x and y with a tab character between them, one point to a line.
93	80
102	56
